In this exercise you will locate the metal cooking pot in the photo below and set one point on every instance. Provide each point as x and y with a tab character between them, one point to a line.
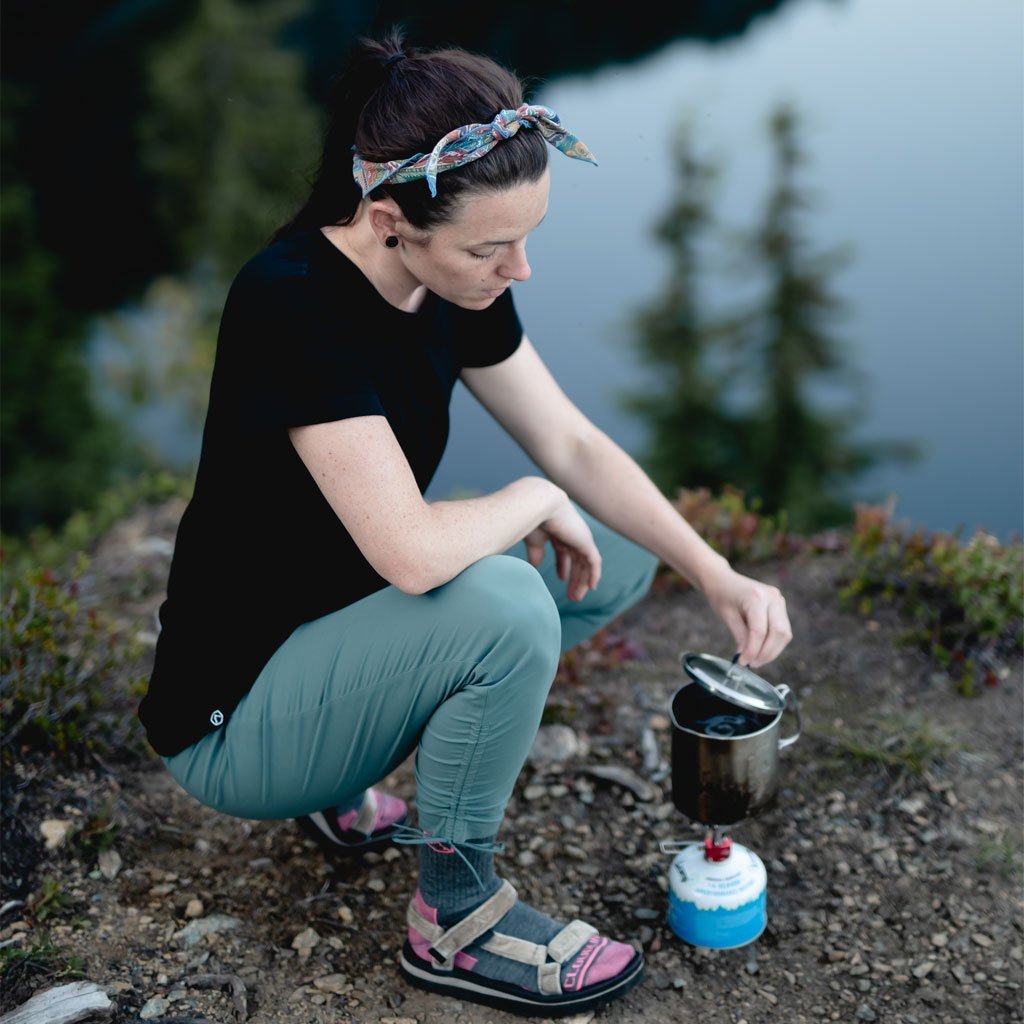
725	740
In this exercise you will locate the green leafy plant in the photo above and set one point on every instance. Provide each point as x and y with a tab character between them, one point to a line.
95	835
964	603
59	665
907	743
51	899
24	965
45	546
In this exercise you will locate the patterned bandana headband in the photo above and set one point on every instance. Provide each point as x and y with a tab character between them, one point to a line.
470	142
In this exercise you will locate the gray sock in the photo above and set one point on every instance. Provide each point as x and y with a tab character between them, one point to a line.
447	884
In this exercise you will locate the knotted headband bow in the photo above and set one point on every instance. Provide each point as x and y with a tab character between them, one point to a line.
470	142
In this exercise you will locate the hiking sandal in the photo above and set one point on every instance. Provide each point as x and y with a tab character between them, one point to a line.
370	826
433	959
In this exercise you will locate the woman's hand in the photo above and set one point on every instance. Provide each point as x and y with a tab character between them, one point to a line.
576	556
755	614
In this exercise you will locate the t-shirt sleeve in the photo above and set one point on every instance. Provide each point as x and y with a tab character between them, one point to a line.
486	336
300	362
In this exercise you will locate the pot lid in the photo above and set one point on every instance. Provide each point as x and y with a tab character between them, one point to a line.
733	682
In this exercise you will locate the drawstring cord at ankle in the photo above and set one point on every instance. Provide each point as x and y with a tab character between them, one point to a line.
409	836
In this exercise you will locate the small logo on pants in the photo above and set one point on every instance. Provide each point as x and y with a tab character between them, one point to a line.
217	718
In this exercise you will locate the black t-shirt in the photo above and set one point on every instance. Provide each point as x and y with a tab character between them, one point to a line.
304	338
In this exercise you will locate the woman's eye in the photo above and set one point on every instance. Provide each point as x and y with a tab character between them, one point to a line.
483	255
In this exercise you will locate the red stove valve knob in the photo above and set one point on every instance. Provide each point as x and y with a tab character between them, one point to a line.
719	852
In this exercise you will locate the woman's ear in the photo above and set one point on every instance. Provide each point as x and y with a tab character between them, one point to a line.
386	219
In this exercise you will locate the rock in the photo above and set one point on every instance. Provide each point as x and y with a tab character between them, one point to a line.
155	1007
865	1013
55	831
940	939
554	744
109	862
980	939
923	970
647	913
376	885
346	915
194	908
196	930
534	792
304	942
912	805
334	983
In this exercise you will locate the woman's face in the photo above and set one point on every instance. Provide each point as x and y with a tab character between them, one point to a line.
473	258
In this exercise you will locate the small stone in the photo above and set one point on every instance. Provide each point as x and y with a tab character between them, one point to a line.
337	984
912	805
527	858
981	939
923	970
109	862
865	1013
940	939
647	913
533	792
304	942
163	889
155	1007
398	1020
55	831
558	790
678	983
196	930
376	884
346	915
194	908
553	744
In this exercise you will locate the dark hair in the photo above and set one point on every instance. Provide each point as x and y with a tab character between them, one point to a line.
390	107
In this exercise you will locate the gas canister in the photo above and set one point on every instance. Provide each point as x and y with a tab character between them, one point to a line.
717	894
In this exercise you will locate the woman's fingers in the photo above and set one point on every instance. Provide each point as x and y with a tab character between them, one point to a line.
767	628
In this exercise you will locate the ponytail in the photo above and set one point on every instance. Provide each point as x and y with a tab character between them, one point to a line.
391	101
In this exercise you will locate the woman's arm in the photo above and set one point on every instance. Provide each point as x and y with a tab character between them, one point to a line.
418	545
603	479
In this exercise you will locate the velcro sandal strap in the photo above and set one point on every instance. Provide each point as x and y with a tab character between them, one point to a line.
367	813
425	927
549	981
570	940
473	925
521	950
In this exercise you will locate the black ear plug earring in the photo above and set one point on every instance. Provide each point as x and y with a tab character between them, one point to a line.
391	241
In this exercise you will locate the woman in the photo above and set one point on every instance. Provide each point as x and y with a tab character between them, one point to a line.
322	619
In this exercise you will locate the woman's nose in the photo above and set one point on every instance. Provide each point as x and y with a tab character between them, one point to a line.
515	265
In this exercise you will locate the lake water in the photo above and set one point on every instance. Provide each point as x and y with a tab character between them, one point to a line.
913	122
912	118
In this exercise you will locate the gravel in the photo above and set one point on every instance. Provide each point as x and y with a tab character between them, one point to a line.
892	896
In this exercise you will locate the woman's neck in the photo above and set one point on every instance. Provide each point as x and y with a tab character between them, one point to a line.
383	267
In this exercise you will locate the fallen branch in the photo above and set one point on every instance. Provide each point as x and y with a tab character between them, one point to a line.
64	1004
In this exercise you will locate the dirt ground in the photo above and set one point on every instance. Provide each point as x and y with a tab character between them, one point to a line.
893	851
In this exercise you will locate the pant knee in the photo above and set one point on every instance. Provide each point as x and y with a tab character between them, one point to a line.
508	598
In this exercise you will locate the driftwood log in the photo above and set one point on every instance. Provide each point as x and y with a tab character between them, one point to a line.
65	1004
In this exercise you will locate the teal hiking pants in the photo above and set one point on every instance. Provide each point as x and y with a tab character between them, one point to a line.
460	674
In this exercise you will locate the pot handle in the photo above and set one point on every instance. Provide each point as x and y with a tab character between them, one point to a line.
790	698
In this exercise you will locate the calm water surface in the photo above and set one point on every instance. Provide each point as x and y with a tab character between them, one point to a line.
913	127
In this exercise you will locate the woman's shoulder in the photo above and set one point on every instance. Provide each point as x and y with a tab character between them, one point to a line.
288	257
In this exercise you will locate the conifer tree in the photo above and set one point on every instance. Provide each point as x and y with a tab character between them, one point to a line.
776	446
